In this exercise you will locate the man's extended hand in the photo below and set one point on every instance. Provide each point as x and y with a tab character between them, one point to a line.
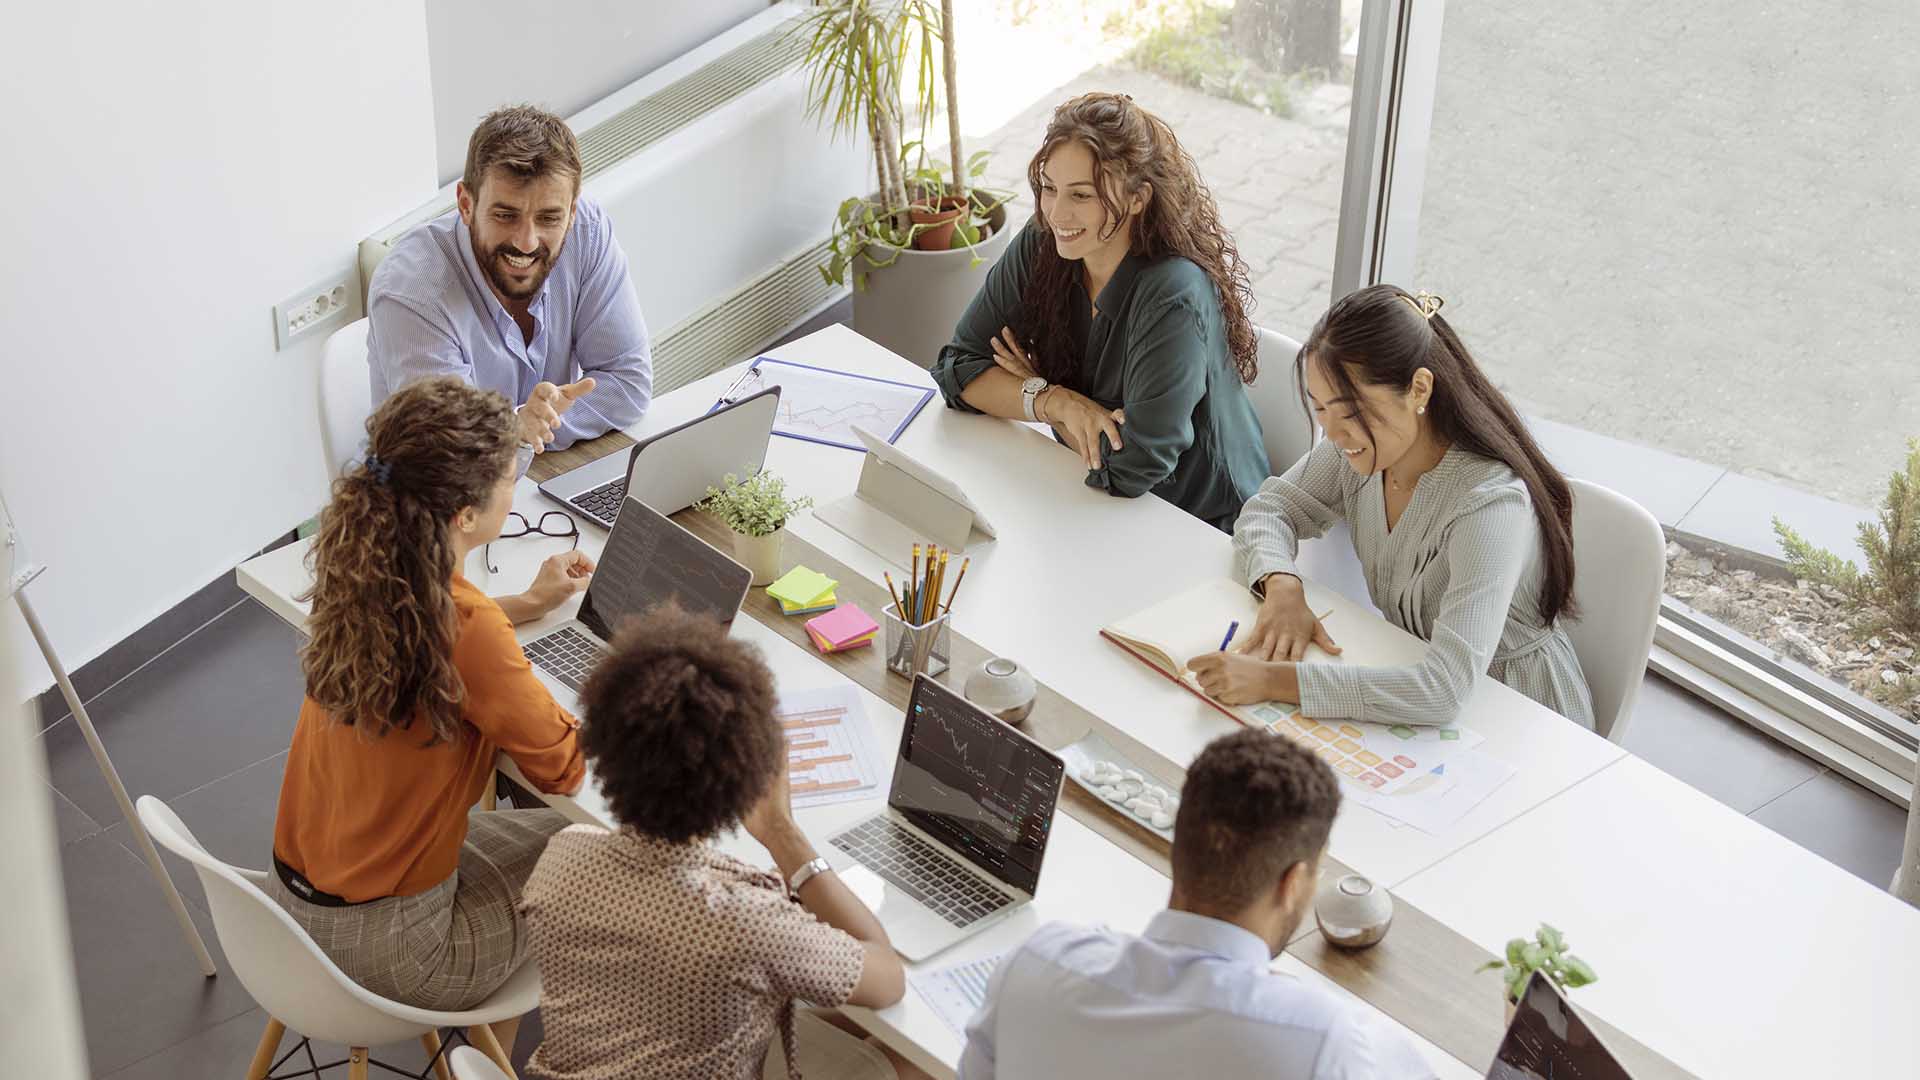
540	416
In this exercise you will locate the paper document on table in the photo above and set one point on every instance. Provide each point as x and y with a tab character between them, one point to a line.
1441	796
821	405
1373	758
830	752
956	992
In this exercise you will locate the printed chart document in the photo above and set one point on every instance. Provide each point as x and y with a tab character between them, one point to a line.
956	992
830	752
821	405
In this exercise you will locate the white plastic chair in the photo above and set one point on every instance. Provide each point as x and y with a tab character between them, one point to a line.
1620	568
471	1064
1287	425
346	396
301	989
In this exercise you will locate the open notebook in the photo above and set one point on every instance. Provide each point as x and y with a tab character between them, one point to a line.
1384	758
1168	634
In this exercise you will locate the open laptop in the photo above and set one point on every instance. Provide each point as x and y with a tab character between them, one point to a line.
648	561
1548	1041
960	843
672	470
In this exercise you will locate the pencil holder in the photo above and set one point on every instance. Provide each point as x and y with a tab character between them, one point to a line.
914	649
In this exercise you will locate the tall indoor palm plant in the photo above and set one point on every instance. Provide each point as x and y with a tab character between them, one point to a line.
861	56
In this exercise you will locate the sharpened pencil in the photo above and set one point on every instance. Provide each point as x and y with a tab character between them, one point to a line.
913	582
939	579
891	591
958	578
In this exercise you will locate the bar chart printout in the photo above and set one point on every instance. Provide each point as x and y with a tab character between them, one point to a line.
830	752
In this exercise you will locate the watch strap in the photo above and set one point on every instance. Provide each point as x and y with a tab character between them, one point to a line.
805	874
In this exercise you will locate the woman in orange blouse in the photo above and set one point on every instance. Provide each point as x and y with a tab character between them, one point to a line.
414	682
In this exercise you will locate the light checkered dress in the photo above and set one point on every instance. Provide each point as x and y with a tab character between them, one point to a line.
1462	569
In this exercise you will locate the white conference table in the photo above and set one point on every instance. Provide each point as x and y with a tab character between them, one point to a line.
1665	881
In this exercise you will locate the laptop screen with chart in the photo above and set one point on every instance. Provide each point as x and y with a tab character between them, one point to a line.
976	785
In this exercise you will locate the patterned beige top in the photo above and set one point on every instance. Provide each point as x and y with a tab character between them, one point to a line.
671	961
1461	568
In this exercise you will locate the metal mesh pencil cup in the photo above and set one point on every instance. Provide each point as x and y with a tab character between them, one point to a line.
914	649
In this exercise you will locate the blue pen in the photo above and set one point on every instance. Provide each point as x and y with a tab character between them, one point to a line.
1232	629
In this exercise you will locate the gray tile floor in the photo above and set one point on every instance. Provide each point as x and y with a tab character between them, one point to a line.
205	726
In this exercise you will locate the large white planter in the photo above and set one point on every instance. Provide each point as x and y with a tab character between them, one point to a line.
911	306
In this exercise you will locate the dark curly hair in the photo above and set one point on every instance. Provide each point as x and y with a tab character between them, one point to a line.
1254	804
678	726
1132	150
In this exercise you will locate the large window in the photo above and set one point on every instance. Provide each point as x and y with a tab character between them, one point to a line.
1256	90
1693	227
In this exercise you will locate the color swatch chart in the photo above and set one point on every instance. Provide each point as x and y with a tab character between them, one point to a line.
830	753
1383	758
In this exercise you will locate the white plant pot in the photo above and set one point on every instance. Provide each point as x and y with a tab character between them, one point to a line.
760	554
912	305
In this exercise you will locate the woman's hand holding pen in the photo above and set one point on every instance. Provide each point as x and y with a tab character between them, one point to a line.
1233	678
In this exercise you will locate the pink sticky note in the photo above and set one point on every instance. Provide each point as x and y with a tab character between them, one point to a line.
842	624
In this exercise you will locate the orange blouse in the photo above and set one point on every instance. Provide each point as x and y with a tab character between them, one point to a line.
364	817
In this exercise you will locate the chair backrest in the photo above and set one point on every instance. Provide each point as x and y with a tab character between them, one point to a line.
346	395
1620	569
280	966
471	1064
1287	425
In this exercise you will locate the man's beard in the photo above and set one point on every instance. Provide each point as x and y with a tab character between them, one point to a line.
494	265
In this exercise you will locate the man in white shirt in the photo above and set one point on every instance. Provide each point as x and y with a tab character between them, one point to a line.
1194	996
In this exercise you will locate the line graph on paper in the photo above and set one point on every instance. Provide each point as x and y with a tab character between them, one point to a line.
825	406
830	753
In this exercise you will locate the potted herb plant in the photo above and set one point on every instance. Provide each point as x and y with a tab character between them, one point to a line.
1546	953
757	510
914	247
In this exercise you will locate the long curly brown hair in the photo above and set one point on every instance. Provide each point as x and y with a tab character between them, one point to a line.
383	620
1132	148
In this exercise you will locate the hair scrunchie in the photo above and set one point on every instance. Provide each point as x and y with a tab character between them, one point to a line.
381	471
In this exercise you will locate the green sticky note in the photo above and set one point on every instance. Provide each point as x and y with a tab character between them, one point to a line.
801	587
1448	734
1402	731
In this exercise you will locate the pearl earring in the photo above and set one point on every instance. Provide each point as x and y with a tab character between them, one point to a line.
1421	411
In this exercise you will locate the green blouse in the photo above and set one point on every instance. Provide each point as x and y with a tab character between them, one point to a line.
1158	349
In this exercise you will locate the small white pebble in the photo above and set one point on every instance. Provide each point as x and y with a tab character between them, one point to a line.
1134	775
1106	792
1155	791
1162	820
1136	803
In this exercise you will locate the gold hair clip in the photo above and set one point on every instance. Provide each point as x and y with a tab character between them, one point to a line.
1427	304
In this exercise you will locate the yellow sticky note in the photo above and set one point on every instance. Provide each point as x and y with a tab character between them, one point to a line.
801	587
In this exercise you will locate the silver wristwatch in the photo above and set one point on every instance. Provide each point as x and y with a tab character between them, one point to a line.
805	874
1030	390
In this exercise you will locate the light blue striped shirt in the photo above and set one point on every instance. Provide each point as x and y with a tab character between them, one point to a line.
432	313
1192	996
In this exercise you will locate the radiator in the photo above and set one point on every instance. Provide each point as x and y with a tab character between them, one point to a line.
720	190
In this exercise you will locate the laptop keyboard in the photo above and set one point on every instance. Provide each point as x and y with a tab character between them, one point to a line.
920	870
602	504
566	654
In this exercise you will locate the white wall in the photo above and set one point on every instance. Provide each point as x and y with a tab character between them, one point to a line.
562	56
170	172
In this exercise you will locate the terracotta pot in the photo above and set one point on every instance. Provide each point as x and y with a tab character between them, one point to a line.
942	222
909	301
760	554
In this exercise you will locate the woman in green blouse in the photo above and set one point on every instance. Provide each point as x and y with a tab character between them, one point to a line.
1119	316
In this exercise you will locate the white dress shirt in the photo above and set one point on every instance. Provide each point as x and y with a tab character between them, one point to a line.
1193	996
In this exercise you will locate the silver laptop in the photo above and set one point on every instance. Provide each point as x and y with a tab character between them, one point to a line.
1548	1041
648	561
672	470
959	845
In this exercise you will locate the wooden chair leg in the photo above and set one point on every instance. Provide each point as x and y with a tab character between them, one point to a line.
268	1050
441	1070
506	1033
482	1037
357	1063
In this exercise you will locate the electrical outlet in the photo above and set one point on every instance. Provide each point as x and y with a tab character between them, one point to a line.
324	305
